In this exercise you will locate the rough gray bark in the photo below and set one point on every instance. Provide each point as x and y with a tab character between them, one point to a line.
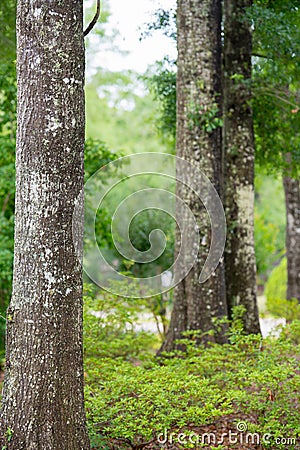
292	203
42	405
240	265
198	87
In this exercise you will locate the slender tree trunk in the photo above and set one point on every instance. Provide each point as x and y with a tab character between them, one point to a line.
240	265
199	142
42	405
292	203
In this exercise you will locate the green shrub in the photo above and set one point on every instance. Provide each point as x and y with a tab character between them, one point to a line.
266	245
289	309
291	332
136	403
269	222
130	401
275	292
277	283
110	327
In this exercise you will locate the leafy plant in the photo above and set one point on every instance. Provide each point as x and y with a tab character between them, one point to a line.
132	397
112	326
205	116
275	292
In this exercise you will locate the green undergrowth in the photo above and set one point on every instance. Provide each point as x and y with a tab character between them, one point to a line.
132	397
276	294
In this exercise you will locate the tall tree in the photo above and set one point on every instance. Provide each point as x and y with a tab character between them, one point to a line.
292	204
198	141
277	116
240	265
7	152
42	406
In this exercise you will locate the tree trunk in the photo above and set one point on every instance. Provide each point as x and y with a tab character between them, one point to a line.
240	265
198	141
42	404
292	203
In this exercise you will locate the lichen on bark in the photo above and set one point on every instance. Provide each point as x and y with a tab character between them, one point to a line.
292	203
42	403
240	264
198	87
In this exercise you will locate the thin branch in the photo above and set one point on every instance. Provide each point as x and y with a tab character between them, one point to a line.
94	21
260	55
157	326
142	445
270	92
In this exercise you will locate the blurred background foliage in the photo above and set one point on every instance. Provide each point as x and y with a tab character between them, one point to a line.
127	112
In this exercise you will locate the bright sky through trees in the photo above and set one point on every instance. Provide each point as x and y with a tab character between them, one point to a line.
129	18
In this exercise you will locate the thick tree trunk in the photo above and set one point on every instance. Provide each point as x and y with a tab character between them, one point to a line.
199	142
42	404
240	265
292	203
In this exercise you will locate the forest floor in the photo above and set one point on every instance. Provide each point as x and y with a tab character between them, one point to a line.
262	382
222	434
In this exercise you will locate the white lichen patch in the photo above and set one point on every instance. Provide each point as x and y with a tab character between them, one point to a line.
35	62
55	13
290	221
49	277
37	12
53	124
245	219
34	186
245	201
48	252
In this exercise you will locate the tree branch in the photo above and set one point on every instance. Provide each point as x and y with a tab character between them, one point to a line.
94	21
288	99
260	55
